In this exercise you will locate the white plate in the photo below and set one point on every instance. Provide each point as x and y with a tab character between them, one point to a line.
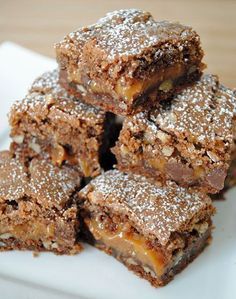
93	274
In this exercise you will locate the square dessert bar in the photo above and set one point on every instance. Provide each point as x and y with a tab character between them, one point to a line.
188	139
50	121
154	230
37	206
127	61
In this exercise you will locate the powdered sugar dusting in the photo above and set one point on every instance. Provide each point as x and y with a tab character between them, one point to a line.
202	113
49	185
13	178
127	32
52	185
155	210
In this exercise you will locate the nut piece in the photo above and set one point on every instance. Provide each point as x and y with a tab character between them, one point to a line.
85	167
167	150
35	147
149	271
201	227
6	236
81	89
163	136
58	154
47	244
166	86
149	137
54	245
213	156
18	139
131	261
124	150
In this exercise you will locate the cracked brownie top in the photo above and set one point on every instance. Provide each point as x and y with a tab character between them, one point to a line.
202	113
127	32
49	185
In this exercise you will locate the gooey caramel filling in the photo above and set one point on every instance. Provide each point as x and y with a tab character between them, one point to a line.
129	245
31	230
163	80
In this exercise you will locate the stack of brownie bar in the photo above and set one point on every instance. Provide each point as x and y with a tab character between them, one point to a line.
134	87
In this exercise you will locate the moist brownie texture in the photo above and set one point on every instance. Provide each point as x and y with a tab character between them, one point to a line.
37	206
127	61
188	139
230	180
154	229
49	122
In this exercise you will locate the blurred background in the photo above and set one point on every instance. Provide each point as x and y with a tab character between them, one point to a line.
37	25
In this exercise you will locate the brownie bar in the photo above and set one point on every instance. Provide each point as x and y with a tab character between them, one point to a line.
155	230
37	206
127	61
49	121
188	139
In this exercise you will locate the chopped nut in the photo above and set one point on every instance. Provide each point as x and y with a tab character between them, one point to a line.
213	156
123	106
201	227
18	139
166	86
6	236
49	98
35	147
191	148
178	257
58	154
172	118
148	270
149	137
167	150
47	244
85	167
124	150
81	89
54	245
198	162
163	136
131	261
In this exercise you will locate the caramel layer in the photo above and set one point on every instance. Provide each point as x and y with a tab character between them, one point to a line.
163	80
129	245
35	230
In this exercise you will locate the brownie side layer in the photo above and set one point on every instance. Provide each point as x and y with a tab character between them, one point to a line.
26	225
145	101
38	208
190	253
194	248
188	139
181	249
48	122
